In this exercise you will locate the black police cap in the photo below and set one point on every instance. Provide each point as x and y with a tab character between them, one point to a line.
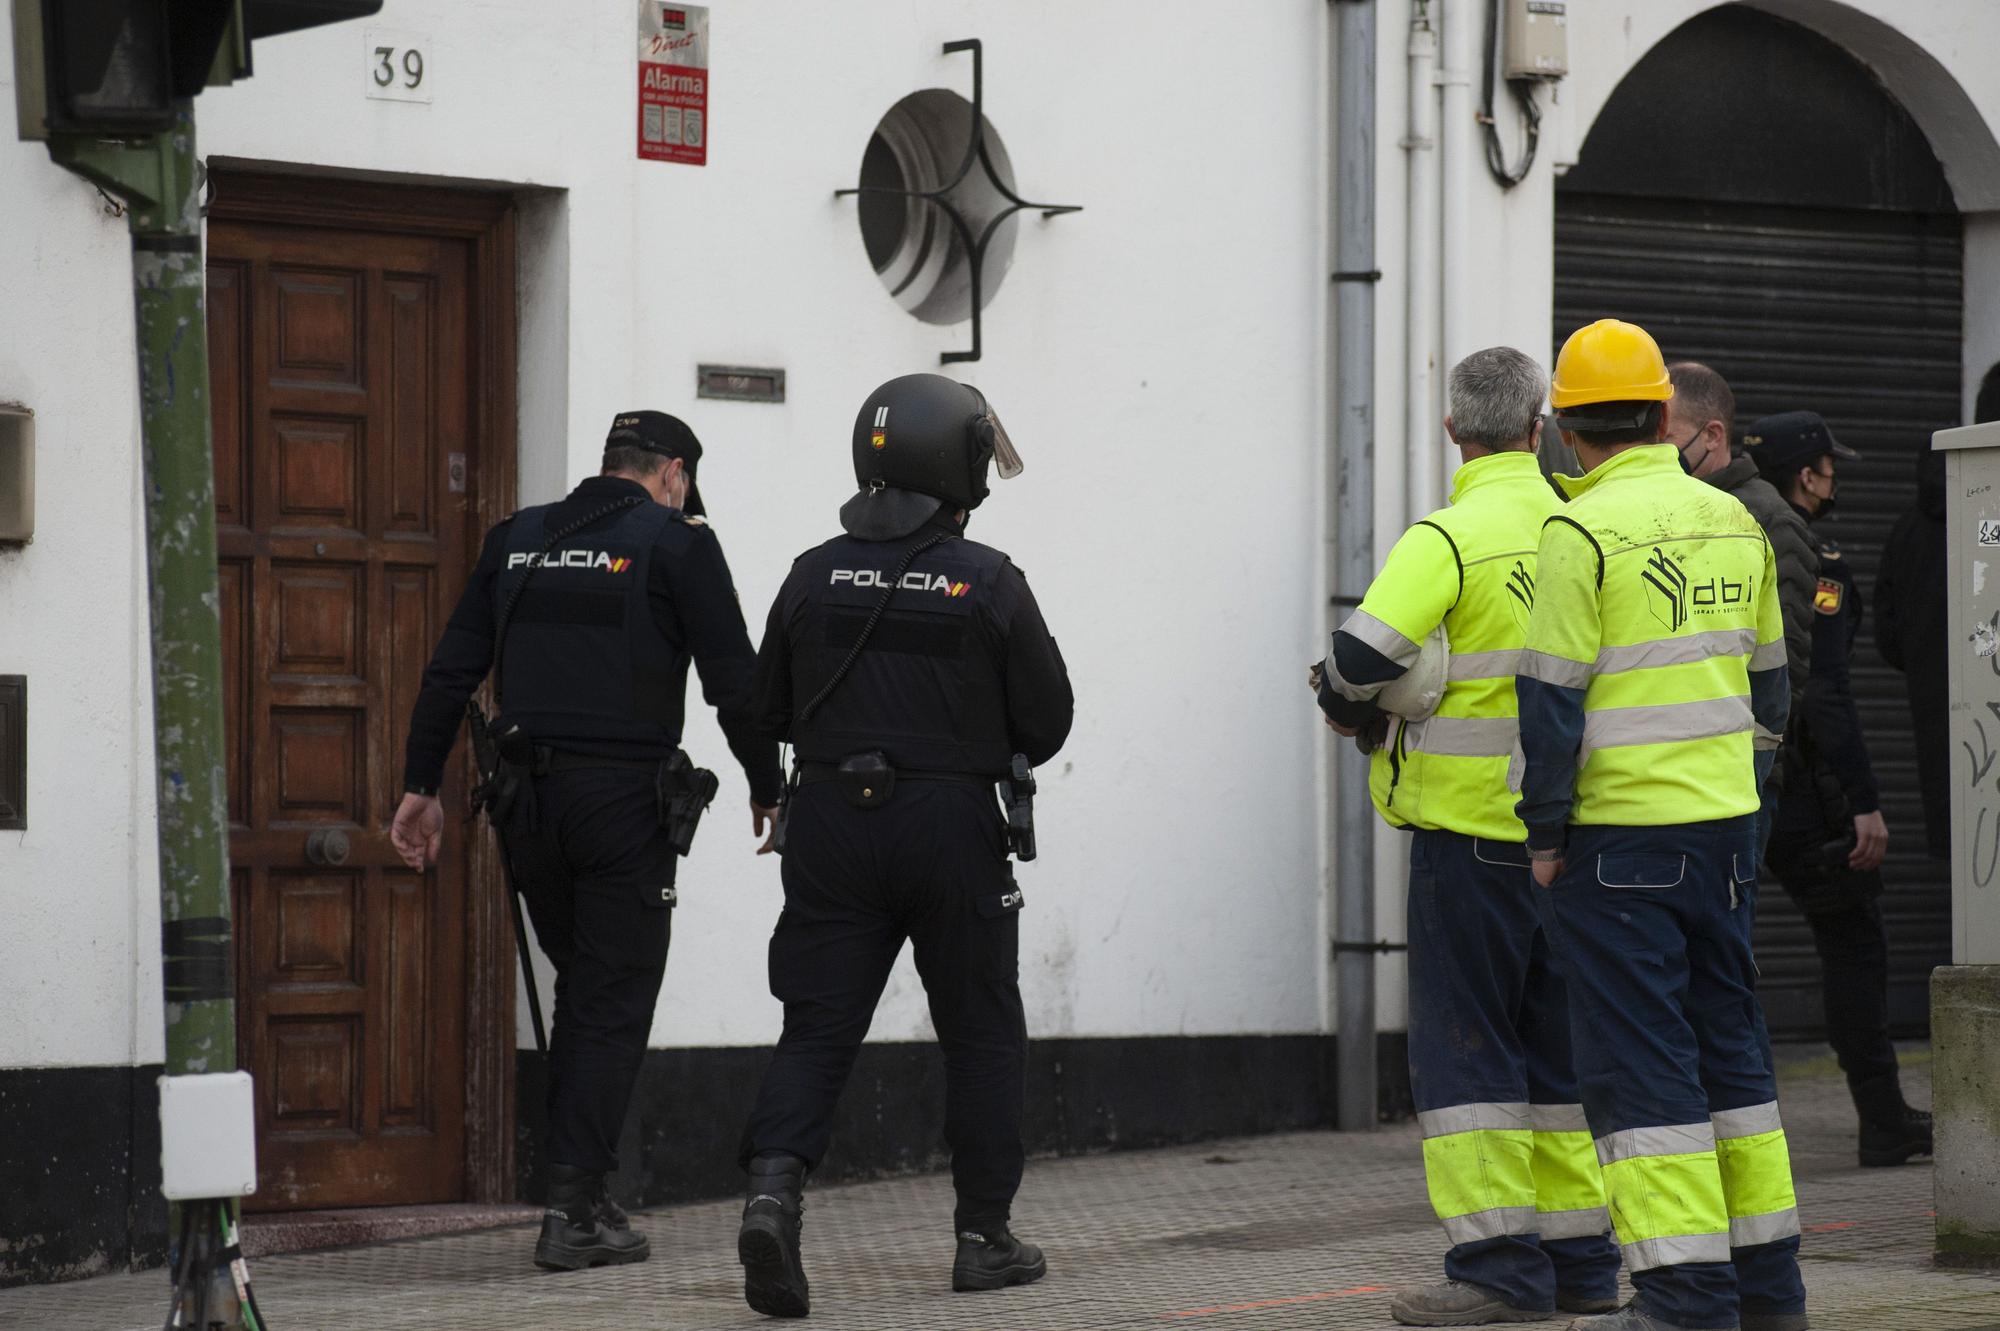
668	436
1789	440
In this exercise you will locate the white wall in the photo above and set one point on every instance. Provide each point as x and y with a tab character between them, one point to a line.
1160	357
77	890
1154	356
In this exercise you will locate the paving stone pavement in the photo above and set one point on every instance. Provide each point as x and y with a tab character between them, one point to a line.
1307	1230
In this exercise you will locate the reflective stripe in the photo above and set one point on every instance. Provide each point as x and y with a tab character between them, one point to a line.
1501	1220
1747	1121
1674	1139
1664	722
1675	1250
1678	651
1559	671
1768	657
1486	1117
1364	628
1465	736
1756	1169
1584	1224
1484	665
1749	1230
1558	1118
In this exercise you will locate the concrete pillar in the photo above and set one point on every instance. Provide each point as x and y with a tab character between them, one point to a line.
1965	1096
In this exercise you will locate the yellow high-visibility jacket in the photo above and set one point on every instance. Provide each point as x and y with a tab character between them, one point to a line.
1470	567
1652	689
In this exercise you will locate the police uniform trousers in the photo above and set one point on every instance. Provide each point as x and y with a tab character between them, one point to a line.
597	873
1842	905
1652	928
930	866
1507	1154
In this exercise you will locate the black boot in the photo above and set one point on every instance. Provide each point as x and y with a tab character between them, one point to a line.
574	1232
774	1274
1891	1131
990	1257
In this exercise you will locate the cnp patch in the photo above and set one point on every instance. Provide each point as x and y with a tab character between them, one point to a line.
1826	597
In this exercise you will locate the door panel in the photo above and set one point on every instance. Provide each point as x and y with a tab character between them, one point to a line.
342	386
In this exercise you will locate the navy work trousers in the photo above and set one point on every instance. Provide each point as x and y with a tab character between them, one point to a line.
929	866
1490	1043
1652	926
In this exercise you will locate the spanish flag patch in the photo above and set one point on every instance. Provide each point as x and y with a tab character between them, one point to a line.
1826	597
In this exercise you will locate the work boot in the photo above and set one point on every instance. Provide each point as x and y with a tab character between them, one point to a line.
992	1258
1891	1137
1634	1318
1584	1303
1457	1303
774	1274
574	1234
609	1213
1775	1322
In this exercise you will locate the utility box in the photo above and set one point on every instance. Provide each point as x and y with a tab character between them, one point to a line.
1972	616
1965	996
1537	39
17	475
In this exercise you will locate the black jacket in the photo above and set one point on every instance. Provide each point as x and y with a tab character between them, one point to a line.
694	606
1832	730
959	675
1797	555
1910	633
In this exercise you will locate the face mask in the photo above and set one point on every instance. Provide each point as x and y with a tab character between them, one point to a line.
1694	465
1827	503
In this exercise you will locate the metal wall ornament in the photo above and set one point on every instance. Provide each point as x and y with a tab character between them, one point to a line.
975	154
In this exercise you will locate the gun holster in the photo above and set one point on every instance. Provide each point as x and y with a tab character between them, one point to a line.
866	780
1017	792
684	793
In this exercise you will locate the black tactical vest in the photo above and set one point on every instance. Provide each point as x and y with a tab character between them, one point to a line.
929	688
583	658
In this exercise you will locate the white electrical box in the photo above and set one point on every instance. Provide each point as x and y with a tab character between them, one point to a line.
1972	654
17	474
208	1136
1537	39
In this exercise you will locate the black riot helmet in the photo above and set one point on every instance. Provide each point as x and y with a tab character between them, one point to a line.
922	442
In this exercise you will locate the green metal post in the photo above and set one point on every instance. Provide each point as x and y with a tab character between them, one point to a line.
158	179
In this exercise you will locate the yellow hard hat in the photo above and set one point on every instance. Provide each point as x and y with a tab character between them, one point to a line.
1610	361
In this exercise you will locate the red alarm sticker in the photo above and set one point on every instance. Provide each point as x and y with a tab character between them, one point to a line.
673	83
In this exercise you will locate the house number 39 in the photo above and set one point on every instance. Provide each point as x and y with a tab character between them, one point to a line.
405	65
398	67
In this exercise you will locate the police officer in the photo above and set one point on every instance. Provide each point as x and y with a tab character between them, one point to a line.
588	612
1508	1156
1829	837
1652	693
907	666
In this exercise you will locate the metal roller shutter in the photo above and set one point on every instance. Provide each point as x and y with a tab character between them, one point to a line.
1856	315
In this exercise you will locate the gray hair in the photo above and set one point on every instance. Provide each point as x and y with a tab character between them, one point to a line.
1495	396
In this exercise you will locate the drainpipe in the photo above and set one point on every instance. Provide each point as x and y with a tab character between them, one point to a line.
1459	149
1423	453
1353	400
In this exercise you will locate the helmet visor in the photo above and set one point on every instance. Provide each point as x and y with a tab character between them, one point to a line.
1006	459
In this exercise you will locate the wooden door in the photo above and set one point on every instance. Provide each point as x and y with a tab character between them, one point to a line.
342	380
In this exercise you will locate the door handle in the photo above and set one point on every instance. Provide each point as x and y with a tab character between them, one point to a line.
327	846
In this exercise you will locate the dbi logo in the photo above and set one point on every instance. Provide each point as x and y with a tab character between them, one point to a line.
1676	595
1670	590
1521	586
